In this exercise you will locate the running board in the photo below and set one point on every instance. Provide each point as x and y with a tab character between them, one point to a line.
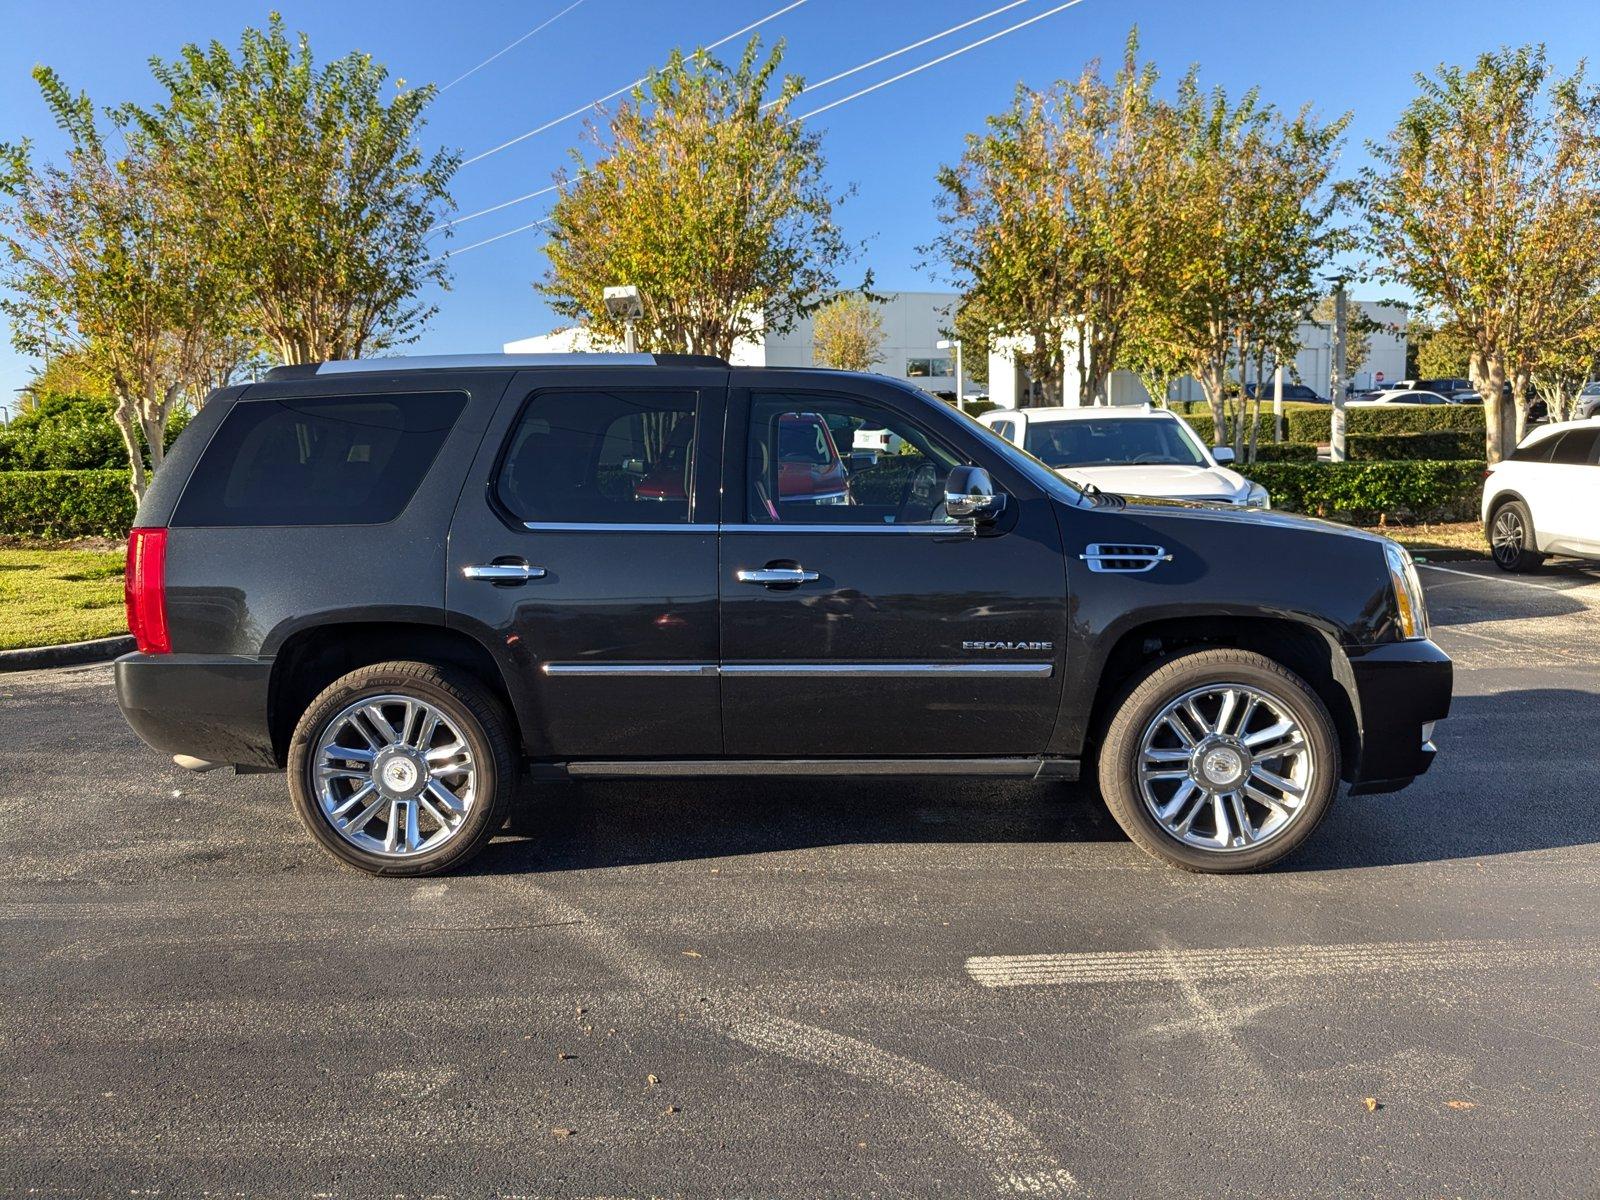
1065	769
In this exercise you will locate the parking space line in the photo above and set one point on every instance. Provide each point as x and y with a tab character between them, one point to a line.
1258	962
1528	583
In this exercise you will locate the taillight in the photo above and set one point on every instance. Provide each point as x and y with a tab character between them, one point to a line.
144	588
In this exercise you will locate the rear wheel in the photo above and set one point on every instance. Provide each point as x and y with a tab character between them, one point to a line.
402	768
1511	538
1219	760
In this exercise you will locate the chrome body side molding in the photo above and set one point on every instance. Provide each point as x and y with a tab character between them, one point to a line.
856	670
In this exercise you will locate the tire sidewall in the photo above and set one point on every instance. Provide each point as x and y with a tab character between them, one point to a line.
1152	691
472	713
1529	557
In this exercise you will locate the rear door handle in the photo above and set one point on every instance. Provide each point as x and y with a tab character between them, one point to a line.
503	572
769	576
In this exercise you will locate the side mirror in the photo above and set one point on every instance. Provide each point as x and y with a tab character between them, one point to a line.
1223	455
969	492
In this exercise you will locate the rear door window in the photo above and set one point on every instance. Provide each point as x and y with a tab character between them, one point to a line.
337	460
1576	447
601	458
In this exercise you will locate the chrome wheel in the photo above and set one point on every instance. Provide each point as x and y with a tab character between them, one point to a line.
1509	536
394	776
1225	767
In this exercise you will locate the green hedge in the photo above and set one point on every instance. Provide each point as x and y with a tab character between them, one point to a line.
1364	492
1438	445
1312	425
1286	452
65	504
1205	429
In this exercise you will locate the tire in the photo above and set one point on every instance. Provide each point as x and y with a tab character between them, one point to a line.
1219	765
1511	538
402	823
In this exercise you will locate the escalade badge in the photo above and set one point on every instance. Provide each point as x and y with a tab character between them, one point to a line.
1008	645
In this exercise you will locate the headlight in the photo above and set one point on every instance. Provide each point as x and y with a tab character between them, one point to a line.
1256	496
1408	598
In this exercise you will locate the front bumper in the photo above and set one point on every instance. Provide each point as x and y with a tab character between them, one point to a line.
205	706
1402	689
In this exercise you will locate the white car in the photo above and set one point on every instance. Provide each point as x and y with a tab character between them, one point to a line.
1133	451
1399	396
1545	498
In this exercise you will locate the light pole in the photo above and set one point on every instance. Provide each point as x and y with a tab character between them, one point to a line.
955	344
625	304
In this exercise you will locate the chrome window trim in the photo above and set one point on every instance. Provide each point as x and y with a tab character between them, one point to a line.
858	670
603	527
955	527
779	527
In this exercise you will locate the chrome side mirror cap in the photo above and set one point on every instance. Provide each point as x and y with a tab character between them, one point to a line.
969	492
1222	454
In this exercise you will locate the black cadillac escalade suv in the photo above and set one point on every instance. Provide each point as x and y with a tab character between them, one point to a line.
419	584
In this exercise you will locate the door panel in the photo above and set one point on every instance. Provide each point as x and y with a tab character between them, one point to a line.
610	646
905	634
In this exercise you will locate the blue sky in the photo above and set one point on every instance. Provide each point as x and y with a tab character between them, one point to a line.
1356	55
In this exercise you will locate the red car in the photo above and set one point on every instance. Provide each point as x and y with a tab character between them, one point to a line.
810	469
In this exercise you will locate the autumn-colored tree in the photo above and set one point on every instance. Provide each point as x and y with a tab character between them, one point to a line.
308	186
1253	231
1440	353
1052	219
1485	201
707	195
103	268
847	334
1358	331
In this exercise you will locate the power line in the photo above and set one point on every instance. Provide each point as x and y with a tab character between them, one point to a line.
808	88
496	237
493	208
883	58
943	58
578	112
933	62
513	45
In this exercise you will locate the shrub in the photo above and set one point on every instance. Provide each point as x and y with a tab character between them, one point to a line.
1205	428
1438	444
1286	452
1366	492
65	504
70	433
1312	424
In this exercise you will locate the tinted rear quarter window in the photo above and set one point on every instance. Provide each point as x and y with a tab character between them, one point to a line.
345	460
1575	447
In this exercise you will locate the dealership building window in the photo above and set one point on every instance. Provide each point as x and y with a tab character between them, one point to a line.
924	368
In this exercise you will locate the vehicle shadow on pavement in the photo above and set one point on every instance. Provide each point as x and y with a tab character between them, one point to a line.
1513	775
610	823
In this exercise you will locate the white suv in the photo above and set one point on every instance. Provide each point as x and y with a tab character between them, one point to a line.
1545	498
1140	451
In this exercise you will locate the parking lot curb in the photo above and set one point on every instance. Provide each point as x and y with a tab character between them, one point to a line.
70	654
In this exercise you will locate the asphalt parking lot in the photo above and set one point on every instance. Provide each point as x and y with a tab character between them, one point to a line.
763	988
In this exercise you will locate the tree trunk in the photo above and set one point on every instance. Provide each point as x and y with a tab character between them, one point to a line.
124	417
1489	373
1519	404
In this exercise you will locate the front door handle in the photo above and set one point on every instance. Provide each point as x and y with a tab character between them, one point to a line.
770	576
503	572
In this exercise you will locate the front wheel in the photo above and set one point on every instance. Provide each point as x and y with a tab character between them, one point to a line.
402	768
1219	761
1511	538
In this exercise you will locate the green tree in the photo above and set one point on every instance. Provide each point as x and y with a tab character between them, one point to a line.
1439	353
1052	219
847	334
102	267
1484	200
706	195
308	186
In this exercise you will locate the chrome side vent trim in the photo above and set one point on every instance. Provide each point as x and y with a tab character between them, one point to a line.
1115	557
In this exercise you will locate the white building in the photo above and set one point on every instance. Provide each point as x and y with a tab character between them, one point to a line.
1010	387
913	325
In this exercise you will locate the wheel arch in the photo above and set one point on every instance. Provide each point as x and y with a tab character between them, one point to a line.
1305	649
312	658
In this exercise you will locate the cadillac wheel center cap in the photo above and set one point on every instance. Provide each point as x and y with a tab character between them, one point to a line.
399	775
1222	766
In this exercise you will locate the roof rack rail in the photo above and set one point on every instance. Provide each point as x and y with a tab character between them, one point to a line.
445	362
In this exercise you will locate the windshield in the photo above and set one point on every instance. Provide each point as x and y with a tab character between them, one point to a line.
1113	442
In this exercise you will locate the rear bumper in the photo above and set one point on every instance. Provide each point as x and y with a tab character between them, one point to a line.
208	707
1403	687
